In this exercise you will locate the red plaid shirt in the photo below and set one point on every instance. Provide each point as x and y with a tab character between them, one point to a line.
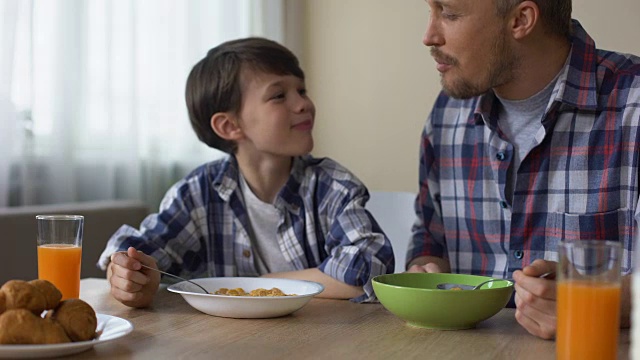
580	181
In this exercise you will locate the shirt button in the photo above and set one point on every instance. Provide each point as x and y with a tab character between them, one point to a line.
246	253
500	156
504	204
518	254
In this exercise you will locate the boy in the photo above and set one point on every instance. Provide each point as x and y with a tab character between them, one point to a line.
268	209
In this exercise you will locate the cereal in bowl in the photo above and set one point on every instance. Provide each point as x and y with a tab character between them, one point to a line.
257	292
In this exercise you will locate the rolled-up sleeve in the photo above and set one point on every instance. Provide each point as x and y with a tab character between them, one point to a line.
170	236
357	247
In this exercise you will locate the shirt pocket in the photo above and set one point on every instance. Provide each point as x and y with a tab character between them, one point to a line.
615	225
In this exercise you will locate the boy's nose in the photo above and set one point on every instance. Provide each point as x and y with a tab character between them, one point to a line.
303	104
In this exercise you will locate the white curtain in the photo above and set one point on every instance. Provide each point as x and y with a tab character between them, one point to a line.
92	92
8	121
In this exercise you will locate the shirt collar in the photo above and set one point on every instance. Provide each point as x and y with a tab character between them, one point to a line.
227	181
577	86
289	197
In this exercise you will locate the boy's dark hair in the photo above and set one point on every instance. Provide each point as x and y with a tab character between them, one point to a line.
214	82
555	14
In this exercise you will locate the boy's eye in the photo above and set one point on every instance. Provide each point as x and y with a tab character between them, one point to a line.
302	92
279	95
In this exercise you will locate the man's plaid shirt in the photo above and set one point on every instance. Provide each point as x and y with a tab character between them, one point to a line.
580	181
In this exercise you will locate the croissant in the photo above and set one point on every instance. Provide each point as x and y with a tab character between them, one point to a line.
3	302
21	306
77	318
21	326
35	296
50	292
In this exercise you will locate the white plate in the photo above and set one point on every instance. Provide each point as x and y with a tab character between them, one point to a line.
112	328
247	307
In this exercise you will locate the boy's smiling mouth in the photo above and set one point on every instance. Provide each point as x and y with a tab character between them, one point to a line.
303	126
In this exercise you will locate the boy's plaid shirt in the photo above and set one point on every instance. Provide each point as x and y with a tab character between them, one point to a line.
202	228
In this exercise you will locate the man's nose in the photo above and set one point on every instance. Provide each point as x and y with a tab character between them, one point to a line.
433	35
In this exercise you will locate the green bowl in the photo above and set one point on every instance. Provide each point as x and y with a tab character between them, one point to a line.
414	298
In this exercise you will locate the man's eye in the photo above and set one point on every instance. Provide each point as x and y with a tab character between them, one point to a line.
277	96
302	92
450	16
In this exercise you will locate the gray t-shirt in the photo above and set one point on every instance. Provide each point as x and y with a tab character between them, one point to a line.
263	220
519	121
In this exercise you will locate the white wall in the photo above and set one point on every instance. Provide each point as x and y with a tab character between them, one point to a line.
374	82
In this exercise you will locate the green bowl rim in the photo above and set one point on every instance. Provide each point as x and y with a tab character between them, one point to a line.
510	283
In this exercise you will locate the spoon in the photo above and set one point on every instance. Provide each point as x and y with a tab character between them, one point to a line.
453	286
175	276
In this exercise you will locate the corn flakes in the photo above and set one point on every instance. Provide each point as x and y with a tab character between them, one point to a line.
257	292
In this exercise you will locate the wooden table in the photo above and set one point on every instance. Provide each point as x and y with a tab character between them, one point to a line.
323	329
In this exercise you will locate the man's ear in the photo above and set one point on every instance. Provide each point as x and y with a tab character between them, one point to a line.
524	18
226	126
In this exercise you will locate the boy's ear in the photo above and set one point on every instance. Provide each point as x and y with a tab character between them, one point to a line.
226	126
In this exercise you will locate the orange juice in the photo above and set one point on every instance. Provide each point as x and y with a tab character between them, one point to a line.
60	264
588	320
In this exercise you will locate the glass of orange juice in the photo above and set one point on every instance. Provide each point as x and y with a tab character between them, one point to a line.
588	303
60	252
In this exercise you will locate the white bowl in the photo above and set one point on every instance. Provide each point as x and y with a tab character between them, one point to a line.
247	307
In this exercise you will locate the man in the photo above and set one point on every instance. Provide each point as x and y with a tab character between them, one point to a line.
532	141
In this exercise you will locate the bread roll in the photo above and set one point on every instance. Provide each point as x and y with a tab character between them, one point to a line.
21	326
50	292
77	318
22	295
3	302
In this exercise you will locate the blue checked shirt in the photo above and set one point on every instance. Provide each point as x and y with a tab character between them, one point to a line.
202	229
580	181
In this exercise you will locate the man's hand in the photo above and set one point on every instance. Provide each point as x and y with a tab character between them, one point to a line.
536	299
427	268
429	264
131	284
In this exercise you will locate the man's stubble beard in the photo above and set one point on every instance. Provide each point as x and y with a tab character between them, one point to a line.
503	63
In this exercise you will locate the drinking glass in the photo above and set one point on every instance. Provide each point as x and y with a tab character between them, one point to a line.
588	306
60	252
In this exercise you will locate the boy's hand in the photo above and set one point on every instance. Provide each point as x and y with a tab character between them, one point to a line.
131	284
536	299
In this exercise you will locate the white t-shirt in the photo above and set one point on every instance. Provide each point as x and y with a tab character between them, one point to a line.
520	121
264	219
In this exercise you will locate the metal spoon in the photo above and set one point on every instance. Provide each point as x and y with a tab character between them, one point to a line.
452	286
176	276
